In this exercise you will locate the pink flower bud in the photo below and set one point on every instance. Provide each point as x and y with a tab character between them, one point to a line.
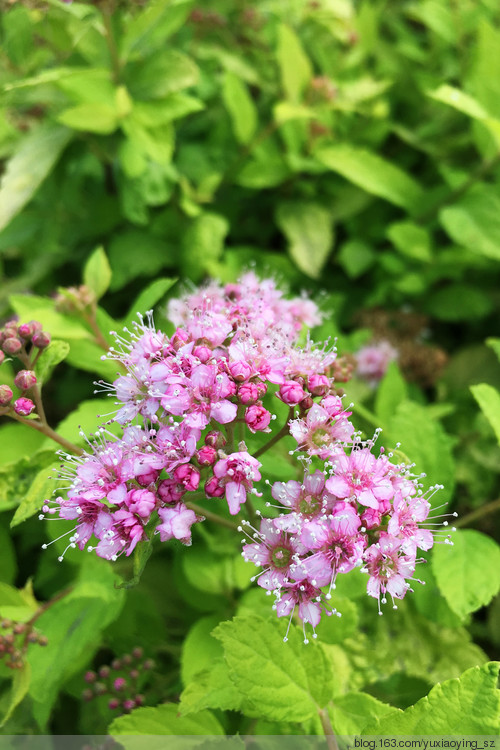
36	327
141	502
257	418
215	439
128	705
179	339
23	406
188	476
12	345
203	353
207	455
371	518
113	704
248	393
306	403
291	393
213	488
25	330
148	478
104	672
137	652
25	379
240	370
90	676
41	340
384	507
170	491
139	700
318	385
5	395
120	683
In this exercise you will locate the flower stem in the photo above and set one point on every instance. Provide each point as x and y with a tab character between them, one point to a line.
49	432
211	516
331	740
485	510
282	433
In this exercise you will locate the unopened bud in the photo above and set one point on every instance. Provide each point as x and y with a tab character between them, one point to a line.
24	406
41	340
137	652
5	395
120	683
12	345
104	672
25	330
113	704
148	664
90	676
25	379
128	705
87	695
215	439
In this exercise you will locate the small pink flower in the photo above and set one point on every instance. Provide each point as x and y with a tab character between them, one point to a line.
362	476
214	488
170	491
176	523
248	393
388	567
206	456
237	473
142	502
291	392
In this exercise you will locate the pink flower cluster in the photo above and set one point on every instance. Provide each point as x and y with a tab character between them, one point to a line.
25	343
182	401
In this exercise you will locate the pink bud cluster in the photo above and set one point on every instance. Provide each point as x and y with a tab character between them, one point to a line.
232	359
24	342
121	682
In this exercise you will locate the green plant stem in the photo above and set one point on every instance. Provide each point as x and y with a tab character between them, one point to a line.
49	432
331	740
37	398
110	41
485	510
211	516
282	433
90	318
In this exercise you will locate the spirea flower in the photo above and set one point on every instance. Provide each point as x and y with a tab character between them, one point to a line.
195	408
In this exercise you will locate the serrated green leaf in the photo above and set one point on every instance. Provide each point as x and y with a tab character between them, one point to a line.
460	570
373	173
466	705
33	161
56	352
241	107
426	443
213	688
351	712
488	399
41	489
295	66
164	720
308	229
73	626
337	629
284	682
97	273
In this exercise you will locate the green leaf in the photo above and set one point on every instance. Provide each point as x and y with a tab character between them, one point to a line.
8	563
28	168
73	626
172	107
87	355
149	297
495	345
163	720
308	229
460	570
134	253
18	441
85	419
153	26
391	392
17	604
203	243
488	399
216	575
240	106
200	649
56	352
20	686
372	173
355	257
474	304
474	221
94	117
41	489
337	629
351	712
17	478
425	442
458	99
467	705
411	240
295	67
213	688
97	273
161	74
284	682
